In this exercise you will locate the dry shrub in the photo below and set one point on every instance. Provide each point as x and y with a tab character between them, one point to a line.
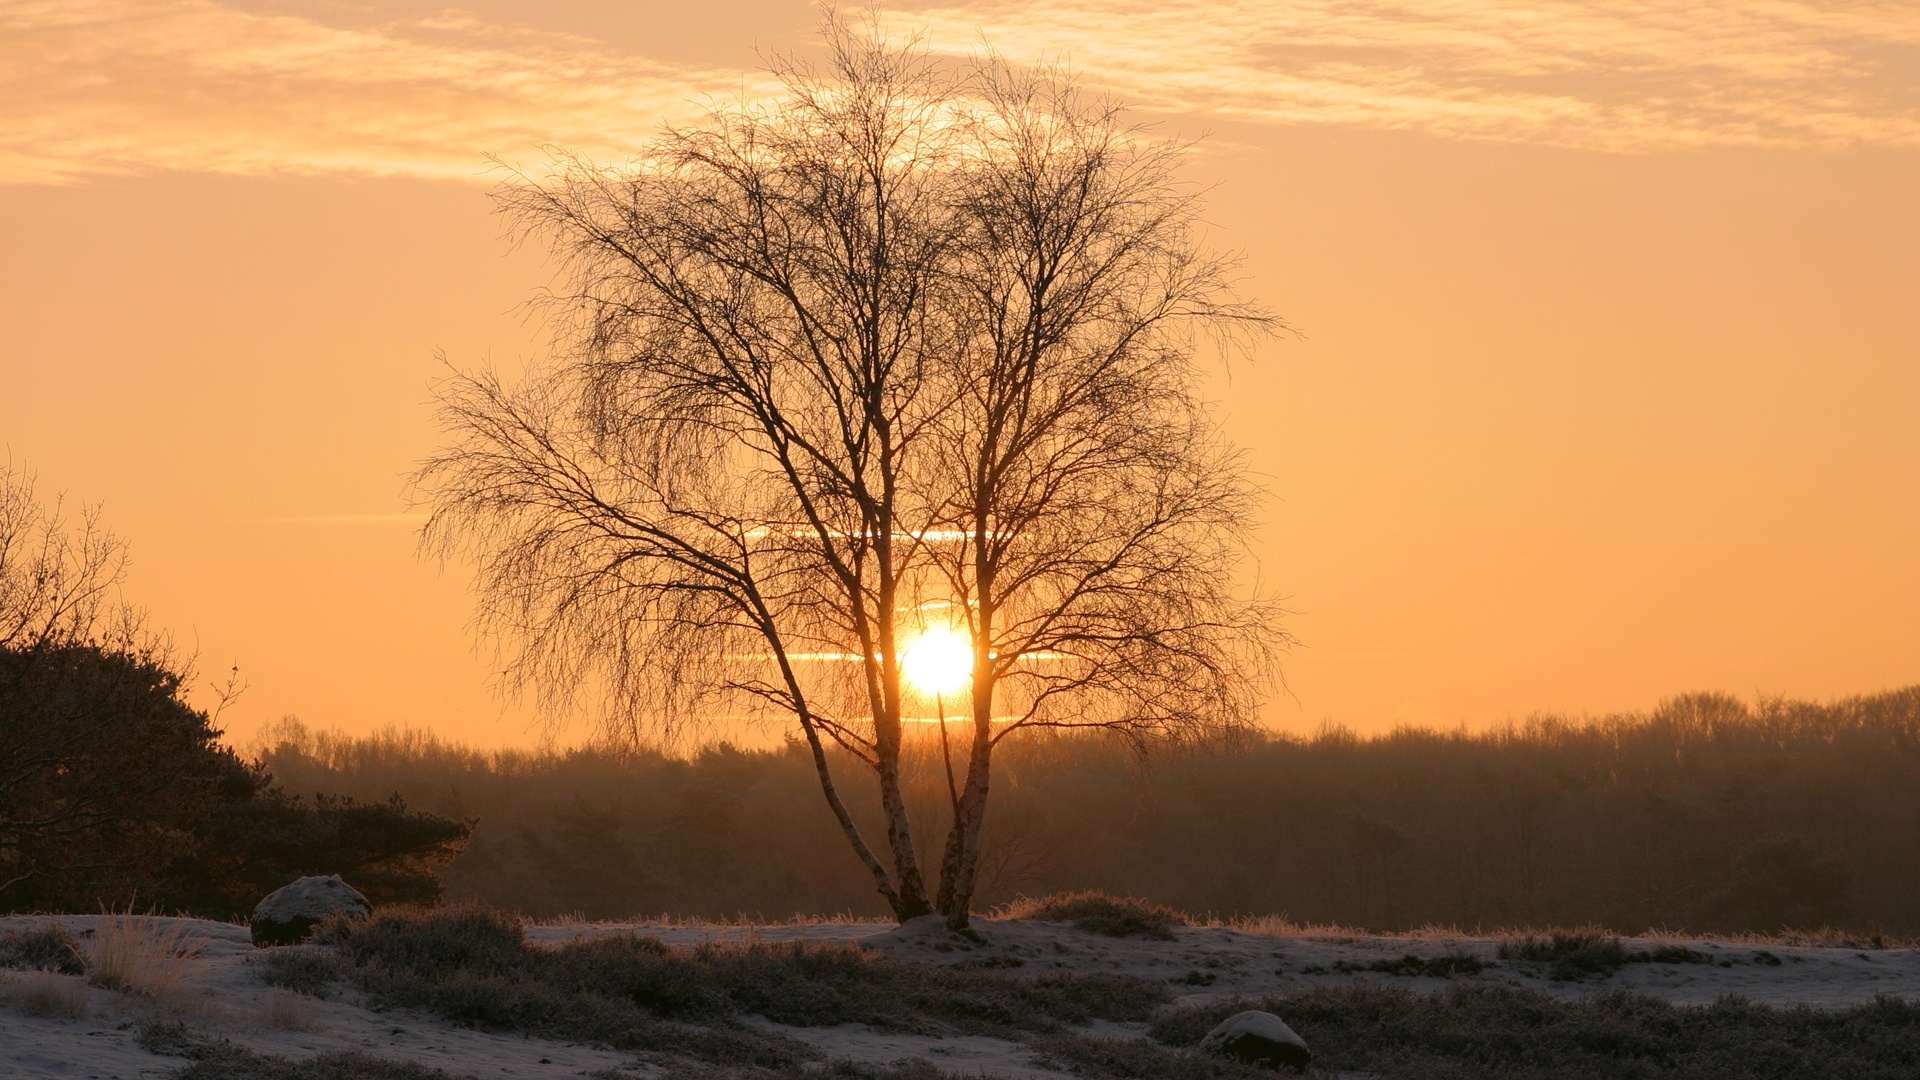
47	947
141	954
46	993
1100	913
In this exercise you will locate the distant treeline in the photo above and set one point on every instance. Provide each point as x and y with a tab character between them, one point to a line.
1707	814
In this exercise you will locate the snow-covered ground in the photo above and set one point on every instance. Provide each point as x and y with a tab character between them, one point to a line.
220	992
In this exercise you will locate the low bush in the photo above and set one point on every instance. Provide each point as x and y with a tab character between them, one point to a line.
1677	954
1445	966
1493	1032
1101	913
46	993
43	948
302	969
1571	955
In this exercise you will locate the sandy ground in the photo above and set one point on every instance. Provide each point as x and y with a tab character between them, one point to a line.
220	993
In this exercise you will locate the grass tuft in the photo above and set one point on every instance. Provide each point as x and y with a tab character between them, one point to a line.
141	954
1100	913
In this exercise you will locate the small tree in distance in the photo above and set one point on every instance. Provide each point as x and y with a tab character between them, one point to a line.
902	356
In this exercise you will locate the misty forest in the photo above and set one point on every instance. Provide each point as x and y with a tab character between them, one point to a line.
1705	814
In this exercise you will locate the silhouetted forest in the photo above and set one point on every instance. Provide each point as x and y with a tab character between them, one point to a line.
1707	814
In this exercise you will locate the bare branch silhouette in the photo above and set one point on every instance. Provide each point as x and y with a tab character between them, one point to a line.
897	345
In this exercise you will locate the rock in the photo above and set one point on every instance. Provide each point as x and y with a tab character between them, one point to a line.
1258	1038
289	914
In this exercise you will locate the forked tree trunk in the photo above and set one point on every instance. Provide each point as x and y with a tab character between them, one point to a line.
880	879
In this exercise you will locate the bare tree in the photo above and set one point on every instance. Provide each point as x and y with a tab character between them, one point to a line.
59	579
823	382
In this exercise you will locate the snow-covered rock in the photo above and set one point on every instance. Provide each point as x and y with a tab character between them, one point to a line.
1258	1038
287	915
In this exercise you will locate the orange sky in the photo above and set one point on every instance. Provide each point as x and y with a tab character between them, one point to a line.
1610	389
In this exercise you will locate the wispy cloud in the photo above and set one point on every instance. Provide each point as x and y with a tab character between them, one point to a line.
102	87
1620	75
91	87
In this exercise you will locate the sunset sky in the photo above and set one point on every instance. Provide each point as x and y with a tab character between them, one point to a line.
1609	387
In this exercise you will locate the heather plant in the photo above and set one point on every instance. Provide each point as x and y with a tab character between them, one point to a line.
1100	913
473	966
47	947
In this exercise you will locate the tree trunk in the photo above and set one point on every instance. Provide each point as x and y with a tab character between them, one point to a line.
893	804
852	831
960	865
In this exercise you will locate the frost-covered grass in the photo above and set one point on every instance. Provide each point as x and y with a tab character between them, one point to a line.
1100	913
631	991
45	993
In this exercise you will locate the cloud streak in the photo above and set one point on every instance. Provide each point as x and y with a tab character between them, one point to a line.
1613	75
103	87
93	88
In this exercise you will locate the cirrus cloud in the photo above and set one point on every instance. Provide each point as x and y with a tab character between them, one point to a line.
94	87
1616	75
116	87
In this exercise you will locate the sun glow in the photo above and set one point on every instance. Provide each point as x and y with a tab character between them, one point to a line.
939	661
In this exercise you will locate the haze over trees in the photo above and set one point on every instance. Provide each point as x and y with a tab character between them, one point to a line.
1705	814
895	373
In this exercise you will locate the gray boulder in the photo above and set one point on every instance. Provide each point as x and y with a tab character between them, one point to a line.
289	914
1258	1038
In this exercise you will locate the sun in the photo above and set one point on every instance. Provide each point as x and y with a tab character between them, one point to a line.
939	661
